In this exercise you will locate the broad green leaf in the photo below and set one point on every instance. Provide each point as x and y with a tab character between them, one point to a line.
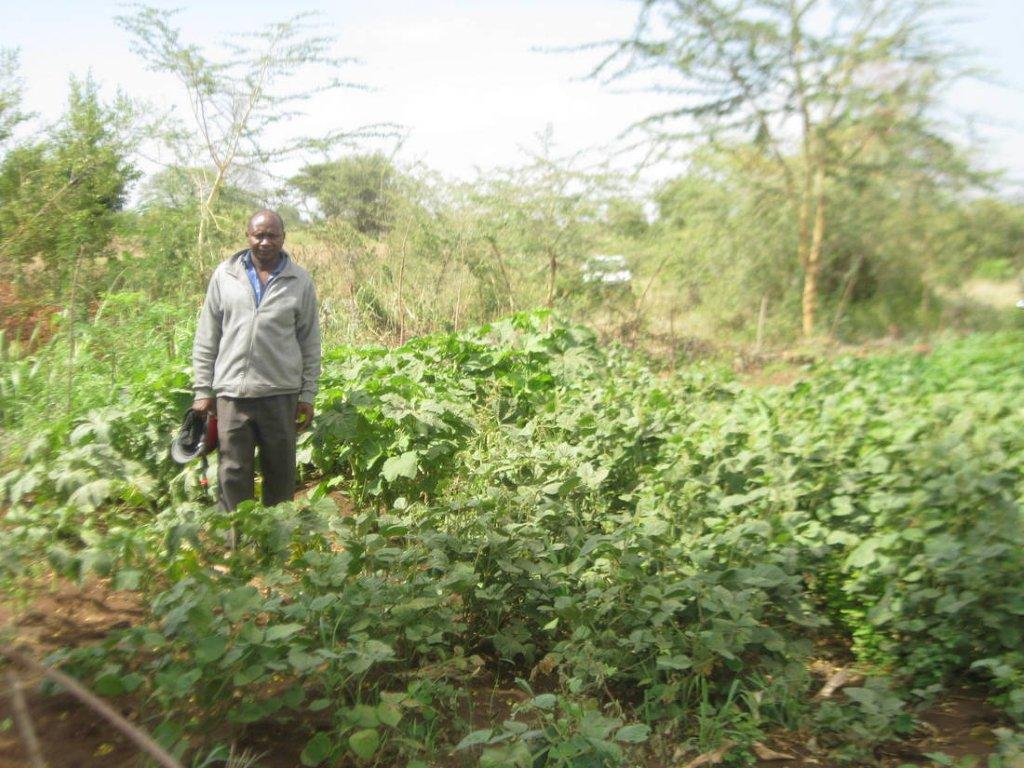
240	600
511	756
317	750
302	661
281	631
109	685
544	701
404	465
210	649
475	738
678	661
128	578
132	681
389	714
247	712
90	495
864	554
634	734
365	742
363	715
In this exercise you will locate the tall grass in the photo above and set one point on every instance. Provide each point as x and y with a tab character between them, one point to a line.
88	365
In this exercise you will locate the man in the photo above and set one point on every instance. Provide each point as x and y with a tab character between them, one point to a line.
256	362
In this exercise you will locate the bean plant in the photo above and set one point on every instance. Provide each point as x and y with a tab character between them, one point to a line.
652	561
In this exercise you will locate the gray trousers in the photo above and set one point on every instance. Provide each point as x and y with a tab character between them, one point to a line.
243	425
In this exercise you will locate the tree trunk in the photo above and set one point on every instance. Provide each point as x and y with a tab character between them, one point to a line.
458	301
401	288
926	280
844	299
803	222
206	215
552	274
499	259
762	317
803	226
813	266
72	310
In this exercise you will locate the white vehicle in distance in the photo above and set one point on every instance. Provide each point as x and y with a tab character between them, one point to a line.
604	269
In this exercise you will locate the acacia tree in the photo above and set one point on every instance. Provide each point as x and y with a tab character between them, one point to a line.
10	94
59	197
811	84
59	202
237	99
361	189
540	214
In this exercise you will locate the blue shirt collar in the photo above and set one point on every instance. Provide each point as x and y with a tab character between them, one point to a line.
254	279
248	264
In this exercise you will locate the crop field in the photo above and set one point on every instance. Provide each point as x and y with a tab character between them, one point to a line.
515	547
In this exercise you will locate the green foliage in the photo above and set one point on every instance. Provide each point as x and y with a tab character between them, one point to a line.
786	94
654	558
990	236
725	243
60	197
870	714
166	224
237	94
395	422
132	345
899	249
555	731
362	190
10	94
538	219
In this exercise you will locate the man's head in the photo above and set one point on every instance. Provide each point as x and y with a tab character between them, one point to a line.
266	235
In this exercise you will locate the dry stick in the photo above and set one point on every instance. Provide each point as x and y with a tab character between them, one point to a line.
844	300
672	330
401	285
71	330
142	740
761	316
458	301
499	259
638	305
24	721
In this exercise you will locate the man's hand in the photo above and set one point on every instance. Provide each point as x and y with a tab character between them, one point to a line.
303	416
205	405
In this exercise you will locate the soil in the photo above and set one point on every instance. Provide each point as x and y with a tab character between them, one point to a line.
24	320
960	724
66	616
346	507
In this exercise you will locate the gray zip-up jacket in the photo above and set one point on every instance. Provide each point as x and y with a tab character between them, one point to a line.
242	350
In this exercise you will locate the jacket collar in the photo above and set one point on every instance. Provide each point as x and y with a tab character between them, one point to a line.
236	266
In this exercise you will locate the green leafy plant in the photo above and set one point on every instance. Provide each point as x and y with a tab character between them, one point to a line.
657	558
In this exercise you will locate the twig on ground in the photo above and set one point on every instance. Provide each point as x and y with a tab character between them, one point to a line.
24	722
713	757
837	680
141	739
769	754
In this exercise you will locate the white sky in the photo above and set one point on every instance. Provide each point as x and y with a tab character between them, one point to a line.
464	78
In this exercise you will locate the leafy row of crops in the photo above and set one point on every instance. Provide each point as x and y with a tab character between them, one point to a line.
655	561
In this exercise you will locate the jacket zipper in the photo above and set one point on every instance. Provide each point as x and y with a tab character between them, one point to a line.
255	321
252	333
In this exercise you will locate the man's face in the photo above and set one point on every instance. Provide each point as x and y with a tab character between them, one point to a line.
266	236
